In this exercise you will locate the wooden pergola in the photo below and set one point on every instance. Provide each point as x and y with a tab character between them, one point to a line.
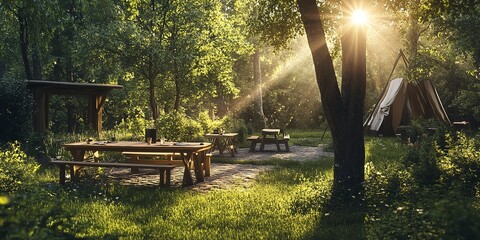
96	94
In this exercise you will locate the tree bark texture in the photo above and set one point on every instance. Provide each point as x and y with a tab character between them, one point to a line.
343	110
23	35
257	76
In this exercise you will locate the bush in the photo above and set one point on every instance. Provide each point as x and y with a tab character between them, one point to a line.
177	126
459	219
15	109
16	169
422	162
460	162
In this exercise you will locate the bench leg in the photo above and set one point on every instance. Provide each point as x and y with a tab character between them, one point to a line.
162	177
169	174
62	174
262	145
253	145
73	173
134	170
197	161
206	164
286	147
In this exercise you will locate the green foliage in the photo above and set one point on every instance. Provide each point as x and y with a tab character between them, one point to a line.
292	200
459	218
177	126
17	171
460	162
15	110
312	194
421	161
37	214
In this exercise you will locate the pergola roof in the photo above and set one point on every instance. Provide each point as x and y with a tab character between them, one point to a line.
56	87
96	93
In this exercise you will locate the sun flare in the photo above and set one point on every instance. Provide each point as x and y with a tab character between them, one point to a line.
359	17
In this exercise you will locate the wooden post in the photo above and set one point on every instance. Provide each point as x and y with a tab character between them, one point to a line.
95	112
40	114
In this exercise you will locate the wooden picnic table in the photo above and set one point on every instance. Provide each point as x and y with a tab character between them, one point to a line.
270	133
223	141
189	151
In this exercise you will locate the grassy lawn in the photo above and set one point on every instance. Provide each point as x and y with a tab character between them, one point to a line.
291	201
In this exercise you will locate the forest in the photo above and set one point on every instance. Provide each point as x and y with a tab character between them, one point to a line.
216	59
189	67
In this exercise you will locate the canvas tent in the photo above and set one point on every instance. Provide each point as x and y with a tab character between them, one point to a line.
402	101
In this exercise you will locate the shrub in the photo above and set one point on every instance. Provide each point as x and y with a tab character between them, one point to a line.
16	169
177	126
422	162
460	162
312	194
15	109
459	219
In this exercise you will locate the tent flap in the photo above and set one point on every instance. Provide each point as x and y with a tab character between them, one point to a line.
402	100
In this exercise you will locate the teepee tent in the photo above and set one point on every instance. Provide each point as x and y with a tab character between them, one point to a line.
402	101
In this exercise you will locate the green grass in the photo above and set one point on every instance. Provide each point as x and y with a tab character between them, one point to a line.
291	201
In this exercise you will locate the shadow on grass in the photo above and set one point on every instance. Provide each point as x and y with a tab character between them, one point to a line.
342	216
341	211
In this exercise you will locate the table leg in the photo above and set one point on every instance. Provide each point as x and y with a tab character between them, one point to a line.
62	174
276	142
234	140
78	155
230	143
206	164
262	144
198	159
187	175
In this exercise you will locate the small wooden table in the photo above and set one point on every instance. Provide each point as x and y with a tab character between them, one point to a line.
189	151
270	133
223	141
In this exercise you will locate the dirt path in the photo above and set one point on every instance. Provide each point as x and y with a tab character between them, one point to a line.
224	176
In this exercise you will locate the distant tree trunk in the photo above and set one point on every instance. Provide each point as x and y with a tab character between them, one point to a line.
71	121
152	100
344	111
36	64
2	68
23	34
178	94
222	107
257	76
413	36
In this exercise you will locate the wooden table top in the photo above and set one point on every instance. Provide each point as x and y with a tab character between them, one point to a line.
221	135
139	146
270	131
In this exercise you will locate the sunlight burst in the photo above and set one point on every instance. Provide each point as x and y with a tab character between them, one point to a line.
359	17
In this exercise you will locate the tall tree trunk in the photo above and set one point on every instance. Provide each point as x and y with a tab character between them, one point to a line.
222	106
3	66
152	101
413	35
36	64
344	111
71	121
351	165
23	34
257	76
178	95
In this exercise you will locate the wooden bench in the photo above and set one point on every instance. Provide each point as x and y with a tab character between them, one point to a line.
256	139
165	170
152	158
